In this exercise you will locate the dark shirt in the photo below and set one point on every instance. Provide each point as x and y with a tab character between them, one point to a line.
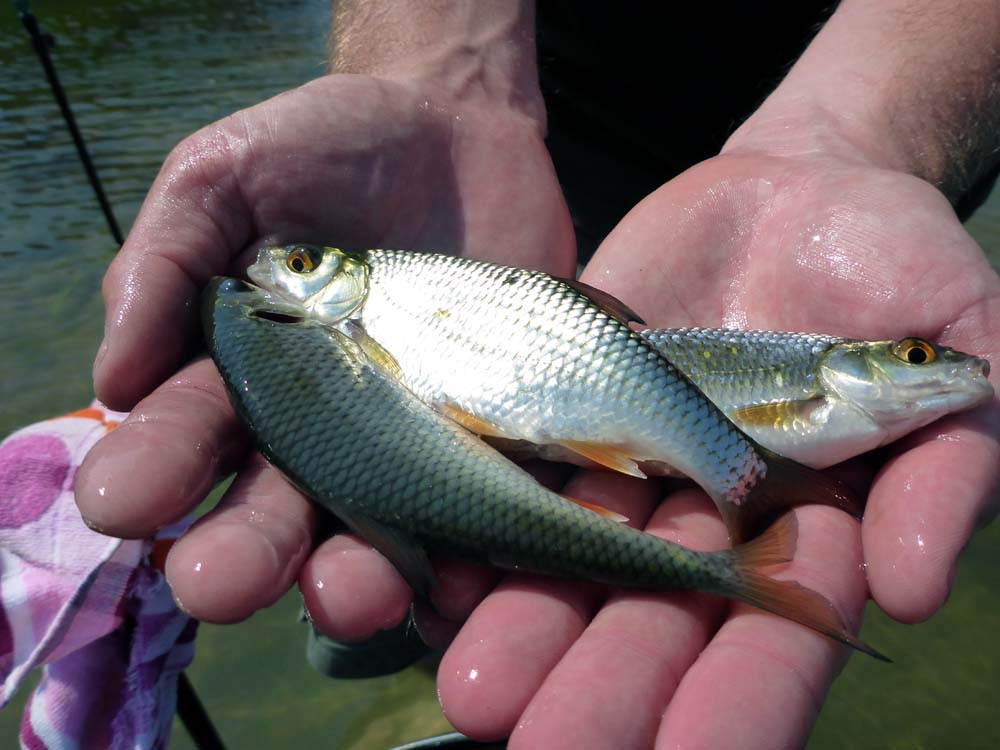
637	92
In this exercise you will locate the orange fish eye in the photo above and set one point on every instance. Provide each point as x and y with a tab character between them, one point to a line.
301	260
914	351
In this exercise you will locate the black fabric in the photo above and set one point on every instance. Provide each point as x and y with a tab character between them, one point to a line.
637	92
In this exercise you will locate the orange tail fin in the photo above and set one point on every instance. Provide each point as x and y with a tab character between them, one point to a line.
787	598
786	485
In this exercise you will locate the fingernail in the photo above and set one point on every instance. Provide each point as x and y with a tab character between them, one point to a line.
179	603
102	351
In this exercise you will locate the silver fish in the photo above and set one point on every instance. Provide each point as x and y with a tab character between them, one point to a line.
327	407
517	354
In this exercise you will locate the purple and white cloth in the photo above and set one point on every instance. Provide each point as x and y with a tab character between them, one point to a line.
92	610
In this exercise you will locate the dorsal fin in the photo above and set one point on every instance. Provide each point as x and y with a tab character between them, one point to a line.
607	302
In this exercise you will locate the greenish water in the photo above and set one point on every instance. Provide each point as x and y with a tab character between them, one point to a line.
143	74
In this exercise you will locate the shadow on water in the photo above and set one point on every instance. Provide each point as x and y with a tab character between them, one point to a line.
141	75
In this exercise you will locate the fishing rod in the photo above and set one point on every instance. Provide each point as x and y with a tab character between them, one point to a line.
42	42
190	709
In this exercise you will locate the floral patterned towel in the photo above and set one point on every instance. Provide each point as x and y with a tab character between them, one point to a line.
94	611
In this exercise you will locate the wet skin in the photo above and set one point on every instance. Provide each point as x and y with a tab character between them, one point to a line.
785	243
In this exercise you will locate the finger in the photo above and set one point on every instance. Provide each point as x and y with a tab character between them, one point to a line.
351	591
245	554
461	586
521	630
190	225
164	458
768	676
924	507
630	659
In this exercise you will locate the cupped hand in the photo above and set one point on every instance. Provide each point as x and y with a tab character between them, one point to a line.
801	242
747	239
782	242
346	160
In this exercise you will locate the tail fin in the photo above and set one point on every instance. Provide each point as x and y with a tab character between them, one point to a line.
787	598
785	485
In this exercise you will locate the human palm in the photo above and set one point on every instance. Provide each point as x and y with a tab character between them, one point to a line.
741	239
347	160
781	243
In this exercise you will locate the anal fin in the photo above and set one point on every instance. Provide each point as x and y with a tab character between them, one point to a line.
609	456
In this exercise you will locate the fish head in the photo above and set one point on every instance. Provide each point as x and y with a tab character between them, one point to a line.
905	384
325	281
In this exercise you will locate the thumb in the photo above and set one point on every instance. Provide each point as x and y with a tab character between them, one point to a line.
192	223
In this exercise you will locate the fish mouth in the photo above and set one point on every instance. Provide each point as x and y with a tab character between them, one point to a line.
259	302
248	299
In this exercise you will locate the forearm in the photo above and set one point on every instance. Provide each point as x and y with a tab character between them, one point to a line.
912	85
474	51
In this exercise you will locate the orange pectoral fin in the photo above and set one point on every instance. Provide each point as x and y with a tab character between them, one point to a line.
609	456
470	421
598	509
775	414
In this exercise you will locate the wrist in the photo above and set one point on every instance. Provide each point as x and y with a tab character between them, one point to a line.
809	128
480	53
903	88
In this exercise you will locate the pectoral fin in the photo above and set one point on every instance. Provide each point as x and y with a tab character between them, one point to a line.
609	456
469	421
776	414
399	548
375	352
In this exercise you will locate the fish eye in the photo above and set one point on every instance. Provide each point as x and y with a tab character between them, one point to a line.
914	351
302	260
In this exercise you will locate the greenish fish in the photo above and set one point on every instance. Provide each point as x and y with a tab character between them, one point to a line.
815	399
325	405
520	355
820	400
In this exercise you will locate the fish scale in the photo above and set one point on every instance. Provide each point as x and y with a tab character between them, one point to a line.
352	437
514	347
293	373
746	363
823	399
